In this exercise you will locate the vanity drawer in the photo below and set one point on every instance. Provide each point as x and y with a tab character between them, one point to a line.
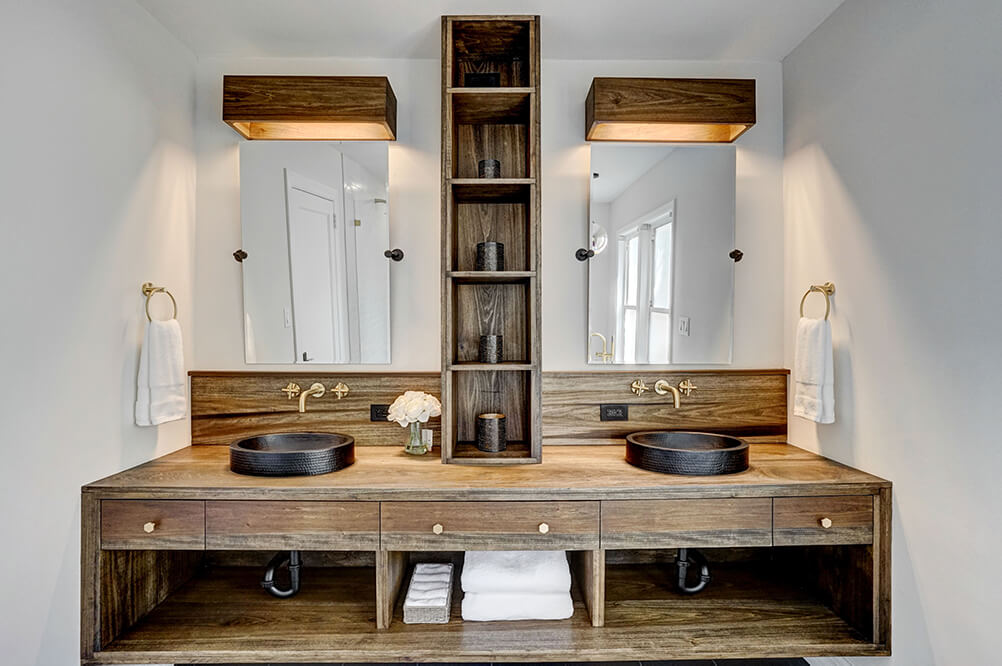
489	525
152	525
820	521
280	525
687	523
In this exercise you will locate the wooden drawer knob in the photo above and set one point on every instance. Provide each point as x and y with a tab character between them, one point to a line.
826	522
149	527
544	528
437	528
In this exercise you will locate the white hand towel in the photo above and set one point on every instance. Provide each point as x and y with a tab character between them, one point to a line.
516	571
813	369
160	395
488	606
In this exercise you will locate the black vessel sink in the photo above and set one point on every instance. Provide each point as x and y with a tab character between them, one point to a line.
292	454
689	453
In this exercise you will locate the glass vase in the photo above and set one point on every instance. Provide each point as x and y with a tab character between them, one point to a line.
414	444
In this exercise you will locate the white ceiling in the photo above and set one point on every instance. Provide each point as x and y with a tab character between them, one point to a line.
571	29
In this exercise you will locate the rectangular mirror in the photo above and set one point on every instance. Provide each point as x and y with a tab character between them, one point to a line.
315	222
661	282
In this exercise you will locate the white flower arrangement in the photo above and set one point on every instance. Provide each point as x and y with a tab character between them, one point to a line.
414	407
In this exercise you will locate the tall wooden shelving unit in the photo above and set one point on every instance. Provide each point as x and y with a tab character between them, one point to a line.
491	123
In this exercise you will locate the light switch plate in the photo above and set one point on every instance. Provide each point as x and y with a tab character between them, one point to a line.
683	325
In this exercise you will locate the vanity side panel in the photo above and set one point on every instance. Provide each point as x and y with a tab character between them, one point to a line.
746	403
90	535
134	582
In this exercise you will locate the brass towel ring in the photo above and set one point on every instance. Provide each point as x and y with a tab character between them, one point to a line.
826	289
149	290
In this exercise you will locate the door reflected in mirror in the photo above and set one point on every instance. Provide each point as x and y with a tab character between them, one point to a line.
661	282
315	224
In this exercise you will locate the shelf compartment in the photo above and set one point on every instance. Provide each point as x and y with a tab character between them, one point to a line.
491	391
489	44
491	190
506	223
493	106
749	610
505	141
494	308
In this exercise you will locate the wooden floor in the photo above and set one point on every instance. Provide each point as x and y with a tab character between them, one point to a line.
224	617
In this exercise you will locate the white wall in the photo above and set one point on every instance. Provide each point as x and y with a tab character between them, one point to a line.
414	209
892	191
97	180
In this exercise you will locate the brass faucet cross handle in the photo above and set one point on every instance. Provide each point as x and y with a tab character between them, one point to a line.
638	386
291	391
340	390
686	387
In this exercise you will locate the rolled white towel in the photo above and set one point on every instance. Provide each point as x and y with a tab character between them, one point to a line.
487	606
515	571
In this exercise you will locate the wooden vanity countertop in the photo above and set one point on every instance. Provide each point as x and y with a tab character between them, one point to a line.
566	473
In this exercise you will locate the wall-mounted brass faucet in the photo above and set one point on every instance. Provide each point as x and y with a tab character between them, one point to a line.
608	348
292	390
316	389
662	387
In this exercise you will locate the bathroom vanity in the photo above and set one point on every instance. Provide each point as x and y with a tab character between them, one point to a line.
173	550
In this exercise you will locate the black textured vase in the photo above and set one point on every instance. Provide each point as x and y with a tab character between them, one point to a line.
492	435
489	168
490	256
491	348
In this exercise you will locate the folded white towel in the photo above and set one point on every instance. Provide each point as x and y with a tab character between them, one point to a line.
488	606
516	571
813	370
160	395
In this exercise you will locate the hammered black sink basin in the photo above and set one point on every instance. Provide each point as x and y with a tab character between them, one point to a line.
292	454
689	453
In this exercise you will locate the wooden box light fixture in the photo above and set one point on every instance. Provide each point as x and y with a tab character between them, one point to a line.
669	110
331	108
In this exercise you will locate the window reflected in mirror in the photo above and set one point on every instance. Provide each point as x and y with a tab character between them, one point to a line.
661	224
315	225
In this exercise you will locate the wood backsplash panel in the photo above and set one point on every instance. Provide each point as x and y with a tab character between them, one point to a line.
746	403
226	406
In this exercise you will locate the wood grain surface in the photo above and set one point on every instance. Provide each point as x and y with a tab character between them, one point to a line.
491	124
224	616
702	523
748	404
489	525
177	525
310	99
227	406
569	472
797	520
684	101
275	525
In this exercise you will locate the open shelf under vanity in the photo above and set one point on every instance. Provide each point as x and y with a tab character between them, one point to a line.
752	607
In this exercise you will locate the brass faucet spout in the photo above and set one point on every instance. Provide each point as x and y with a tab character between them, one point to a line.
317	390
661	387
